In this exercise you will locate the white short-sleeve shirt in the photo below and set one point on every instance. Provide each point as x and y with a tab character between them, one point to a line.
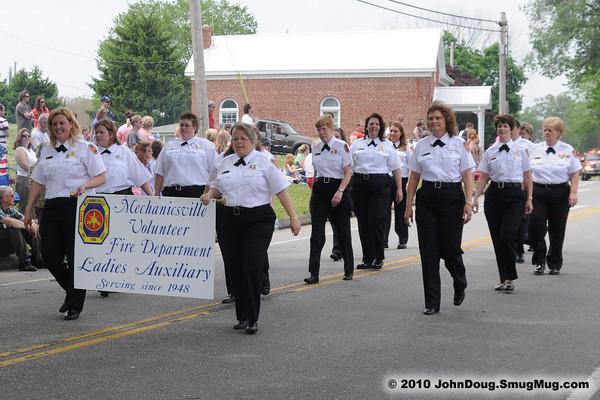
186	162
441	163
330	161
123	169
374	156
553	167
63	172
249	185
505	165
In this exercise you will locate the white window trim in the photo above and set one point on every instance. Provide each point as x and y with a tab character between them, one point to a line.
338	109
229	110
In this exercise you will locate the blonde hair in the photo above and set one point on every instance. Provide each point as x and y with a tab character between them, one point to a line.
147	122
222	141
555	123
325	120
75	132
289	159
211	134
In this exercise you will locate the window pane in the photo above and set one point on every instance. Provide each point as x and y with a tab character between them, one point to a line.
330	102
229	104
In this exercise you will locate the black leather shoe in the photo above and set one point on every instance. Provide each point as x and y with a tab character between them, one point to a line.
431	311
520	259
252	328
71	315
266	289
377	264
241	325
63	308
459	297
364	265
228	299
539	270
335	256
312	279
499	287
103	293
401	246
28	268
347	277
554	271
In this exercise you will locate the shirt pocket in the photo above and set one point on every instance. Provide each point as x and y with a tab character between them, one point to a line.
75	167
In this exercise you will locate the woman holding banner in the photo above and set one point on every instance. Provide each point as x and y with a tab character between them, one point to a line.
123	169
68	168
246	179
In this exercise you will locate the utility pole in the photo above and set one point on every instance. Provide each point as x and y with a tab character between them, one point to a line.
502	104
199	75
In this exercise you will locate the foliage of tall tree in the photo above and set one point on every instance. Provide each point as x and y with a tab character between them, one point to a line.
565	36
143	59
483	65
32	81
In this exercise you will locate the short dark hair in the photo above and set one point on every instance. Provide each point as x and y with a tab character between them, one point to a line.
381	124
247	108
23	94
156	148
504	119
192	117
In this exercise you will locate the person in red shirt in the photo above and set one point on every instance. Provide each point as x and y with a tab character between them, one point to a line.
359	131
39	108
211	114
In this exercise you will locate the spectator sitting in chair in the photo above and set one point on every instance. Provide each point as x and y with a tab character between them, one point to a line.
13	234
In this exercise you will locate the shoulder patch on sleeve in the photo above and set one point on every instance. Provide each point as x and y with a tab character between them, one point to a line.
93	148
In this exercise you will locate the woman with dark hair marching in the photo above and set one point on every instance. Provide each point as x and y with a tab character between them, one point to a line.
443	207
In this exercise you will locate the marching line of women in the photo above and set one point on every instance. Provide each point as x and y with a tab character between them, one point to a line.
367	178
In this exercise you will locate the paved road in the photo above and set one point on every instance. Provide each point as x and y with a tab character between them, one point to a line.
335	340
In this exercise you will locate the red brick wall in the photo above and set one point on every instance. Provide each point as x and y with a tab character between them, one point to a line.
298	100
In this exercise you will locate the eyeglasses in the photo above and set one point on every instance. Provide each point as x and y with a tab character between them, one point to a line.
237	139
25	135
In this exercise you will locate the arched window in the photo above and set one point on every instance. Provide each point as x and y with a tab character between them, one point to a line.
228	112
331	105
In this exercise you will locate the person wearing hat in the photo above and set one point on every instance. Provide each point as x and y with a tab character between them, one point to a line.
105	103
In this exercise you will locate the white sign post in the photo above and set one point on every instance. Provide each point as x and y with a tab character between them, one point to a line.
145	245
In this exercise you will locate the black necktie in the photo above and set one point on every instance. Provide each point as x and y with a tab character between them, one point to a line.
504	147
240	162
438	142
325	147
106	151
61	149
372	144
184	143
550	150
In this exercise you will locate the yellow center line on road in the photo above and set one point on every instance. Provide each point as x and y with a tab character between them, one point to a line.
190	313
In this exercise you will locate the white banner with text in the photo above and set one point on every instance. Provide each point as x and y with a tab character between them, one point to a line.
145	245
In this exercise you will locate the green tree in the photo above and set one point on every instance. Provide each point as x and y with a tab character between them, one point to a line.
32	81
143	59
565	37
483	65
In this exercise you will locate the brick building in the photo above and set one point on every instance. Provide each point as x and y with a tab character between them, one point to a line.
298	77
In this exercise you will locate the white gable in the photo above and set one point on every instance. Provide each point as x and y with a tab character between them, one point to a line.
341	54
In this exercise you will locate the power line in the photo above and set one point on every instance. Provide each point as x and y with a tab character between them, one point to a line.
83	55
443	13
428	19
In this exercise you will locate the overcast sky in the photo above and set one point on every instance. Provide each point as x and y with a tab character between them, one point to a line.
62	36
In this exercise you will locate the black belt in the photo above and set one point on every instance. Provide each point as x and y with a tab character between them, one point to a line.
366	177
325	179
123	191
441	185
245	210
502	185
179	188
551	185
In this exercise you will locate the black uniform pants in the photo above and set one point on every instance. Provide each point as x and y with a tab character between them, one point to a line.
370	196
504	210
439	217
15	241
184	191
400	226
246	237
58	241
320	210
550	212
